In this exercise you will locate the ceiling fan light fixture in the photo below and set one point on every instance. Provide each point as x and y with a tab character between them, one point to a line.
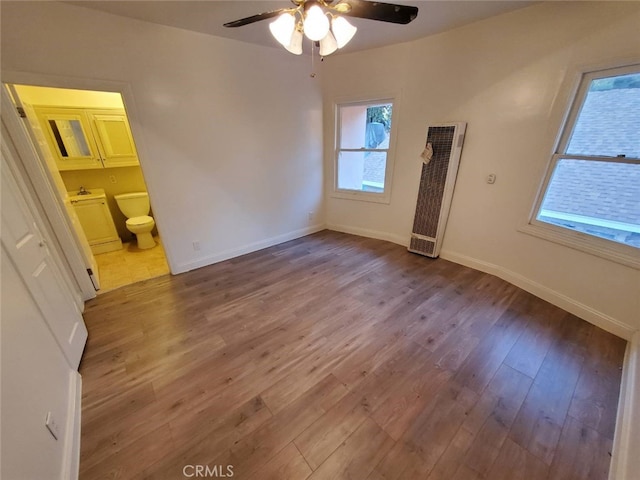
343	31
328	45
283	28
316	23
295	46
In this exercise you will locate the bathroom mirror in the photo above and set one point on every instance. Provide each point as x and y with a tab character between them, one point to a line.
69	137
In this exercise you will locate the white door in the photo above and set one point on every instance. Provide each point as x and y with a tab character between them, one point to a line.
29	252
32	147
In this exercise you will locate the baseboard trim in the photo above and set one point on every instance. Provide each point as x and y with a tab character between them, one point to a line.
71	465
365	232
579	309
625	463
249	248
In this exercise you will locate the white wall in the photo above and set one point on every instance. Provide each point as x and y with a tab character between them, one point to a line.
35	380
506	77
228	133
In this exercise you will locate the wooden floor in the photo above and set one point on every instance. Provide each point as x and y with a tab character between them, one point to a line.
335	356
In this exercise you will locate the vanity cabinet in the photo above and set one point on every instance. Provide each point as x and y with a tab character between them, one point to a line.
83	138
96	221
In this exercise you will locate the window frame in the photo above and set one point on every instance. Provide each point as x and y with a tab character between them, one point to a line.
360	195
601	247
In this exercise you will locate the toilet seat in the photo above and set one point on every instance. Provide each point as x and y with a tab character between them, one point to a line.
139	221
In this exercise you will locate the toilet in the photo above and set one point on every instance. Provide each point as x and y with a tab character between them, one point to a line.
135	206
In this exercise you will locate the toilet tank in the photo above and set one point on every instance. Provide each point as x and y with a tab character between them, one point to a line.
135	204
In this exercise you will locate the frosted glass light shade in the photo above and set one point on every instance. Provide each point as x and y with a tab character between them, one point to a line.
328	45
343	31
295	46
316	24
282	28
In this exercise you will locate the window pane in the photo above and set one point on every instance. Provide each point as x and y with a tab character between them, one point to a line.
365	126
609	121
597	198
362	171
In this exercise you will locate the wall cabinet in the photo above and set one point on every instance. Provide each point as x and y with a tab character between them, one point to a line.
83	138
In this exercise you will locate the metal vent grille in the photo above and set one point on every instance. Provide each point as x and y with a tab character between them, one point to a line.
419	245
432	182
436	188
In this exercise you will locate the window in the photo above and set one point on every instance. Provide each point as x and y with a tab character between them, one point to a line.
592	194
363	139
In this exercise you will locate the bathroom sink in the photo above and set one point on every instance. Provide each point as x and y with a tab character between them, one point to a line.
84	195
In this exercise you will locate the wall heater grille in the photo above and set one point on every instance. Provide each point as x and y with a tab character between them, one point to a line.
436	188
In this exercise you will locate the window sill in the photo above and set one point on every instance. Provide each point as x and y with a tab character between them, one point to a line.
612	251
361	196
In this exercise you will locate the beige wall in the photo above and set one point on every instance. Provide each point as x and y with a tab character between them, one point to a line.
508	77
229	134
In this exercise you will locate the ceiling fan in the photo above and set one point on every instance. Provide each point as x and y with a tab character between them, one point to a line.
323	22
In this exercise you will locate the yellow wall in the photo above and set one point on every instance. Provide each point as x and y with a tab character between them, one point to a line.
128	179
65	97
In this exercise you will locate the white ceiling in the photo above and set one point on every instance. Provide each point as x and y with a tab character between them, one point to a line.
208	17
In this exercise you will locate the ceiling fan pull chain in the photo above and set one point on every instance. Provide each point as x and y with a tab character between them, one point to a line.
313	49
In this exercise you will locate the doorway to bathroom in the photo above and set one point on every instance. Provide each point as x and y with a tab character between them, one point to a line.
86	145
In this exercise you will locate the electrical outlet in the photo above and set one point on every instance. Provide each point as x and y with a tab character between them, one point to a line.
196	245
310	216
52	424
112	179
491	178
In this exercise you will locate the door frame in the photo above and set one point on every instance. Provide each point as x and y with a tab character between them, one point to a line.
38	173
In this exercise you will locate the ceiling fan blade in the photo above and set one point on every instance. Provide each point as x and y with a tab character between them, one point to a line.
256	18
383	12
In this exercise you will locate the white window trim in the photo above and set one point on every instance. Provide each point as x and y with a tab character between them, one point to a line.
601	247
384	197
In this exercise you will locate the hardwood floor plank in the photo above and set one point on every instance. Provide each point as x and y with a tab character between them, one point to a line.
516	463
582	453
453	457
287	465
595	400
508	388
409	399
323	436
215	434
528	353
355	457
465	473
130	461
539	422
252	452
480	367
336	356
436	426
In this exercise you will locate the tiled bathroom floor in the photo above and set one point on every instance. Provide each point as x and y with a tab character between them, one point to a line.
130	265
